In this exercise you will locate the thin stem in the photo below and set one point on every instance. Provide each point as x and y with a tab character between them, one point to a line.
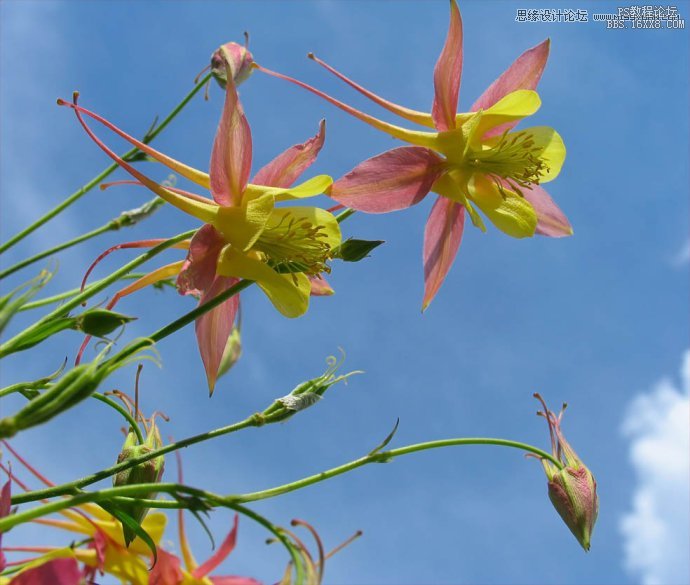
70	293
73	242
70	488
102	176
385	456
8	346
341	217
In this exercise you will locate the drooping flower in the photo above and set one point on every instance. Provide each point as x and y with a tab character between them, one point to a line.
101	548
572	489
471	160
245	235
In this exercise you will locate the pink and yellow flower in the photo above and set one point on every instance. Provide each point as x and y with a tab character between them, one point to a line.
474	161
245	235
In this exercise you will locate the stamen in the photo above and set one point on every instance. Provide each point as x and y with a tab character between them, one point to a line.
515	159
342	545
319	544
295	243
546	414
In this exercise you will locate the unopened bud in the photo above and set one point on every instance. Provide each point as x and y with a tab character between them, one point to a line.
100	322
150	471
572	487
238	58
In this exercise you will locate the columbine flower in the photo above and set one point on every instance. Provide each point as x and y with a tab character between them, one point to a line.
101	547
472	160
573	489
245	236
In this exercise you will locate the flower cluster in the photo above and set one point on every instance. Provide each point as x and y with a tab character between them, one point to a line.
263	228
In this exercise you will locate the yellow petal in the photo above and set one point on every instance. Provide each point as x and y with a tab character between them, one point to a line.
509	212
315	216
289	293
314	186
241	226
514	106
553	152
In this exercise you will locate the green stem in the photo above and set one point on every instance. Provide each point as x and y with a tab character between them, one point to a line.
381	456
384	456
73	242
341	217
70	293
102	176
8	346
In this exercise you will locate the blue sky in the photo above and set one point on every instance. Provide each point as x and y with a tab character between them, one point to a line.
599	320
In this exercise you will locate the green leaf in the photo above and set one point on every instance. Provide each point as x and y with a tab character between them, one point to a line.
387	440
129	523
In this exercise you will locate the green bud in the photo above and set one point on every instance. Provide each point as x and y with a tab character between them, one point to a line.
352	250
100	322
150	471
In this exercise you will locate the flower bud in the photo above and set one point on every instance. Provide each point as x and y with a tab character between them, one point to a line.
150	471
572	487
100	322
237	57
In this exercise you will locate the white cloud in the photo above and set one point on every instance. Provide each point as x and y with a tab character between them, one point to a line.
656	532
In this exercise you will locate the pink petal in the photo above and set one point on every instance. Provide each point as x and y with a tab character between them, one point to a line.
214	327
5	506
551	221
524	73
447	74
199	269
99	544
231	159
320	286
442	238
286	168
390	181
220	555
56	572
167	570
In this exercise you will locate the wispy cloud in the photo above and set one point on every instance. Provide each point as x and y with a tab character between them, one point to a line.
682	256
656	531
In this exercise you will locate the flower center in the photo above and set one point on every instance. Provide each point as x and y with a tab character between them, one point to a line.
515	159
294	244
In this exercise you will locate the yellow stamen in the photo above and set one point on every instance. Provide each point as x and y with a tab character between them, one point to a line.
514	158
